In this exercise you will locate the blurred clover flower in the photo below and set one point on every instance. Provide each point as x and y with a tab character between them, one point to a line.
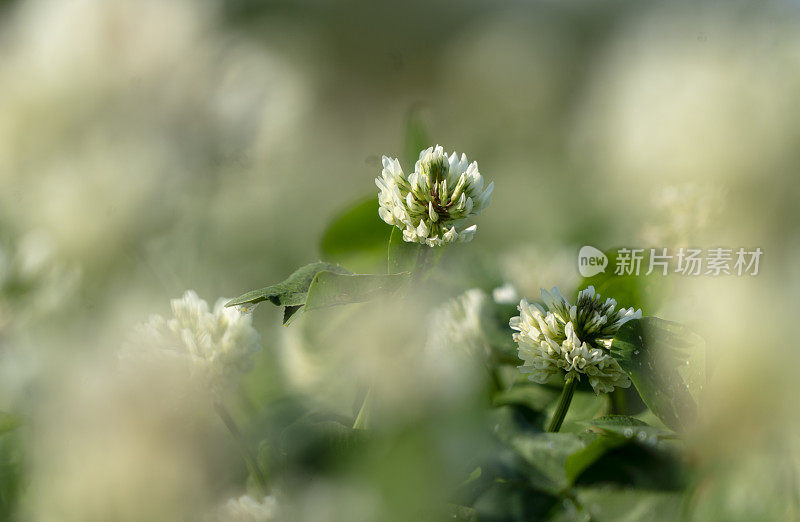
561	337
215	345
431	206
457	324
248	509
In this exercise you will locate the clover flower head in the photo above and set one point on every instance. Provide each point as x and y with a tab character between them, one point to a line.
214	345
433	204
557	336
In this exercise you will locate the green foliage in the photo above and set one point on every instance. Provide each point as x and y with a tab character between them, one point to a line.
331	289
665	361
356	237
612	504
290	293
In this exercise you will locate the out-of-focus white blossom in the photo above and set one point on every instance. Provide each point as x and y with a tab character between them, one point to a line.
432	205
457	349
214	345
505	294
457	324
561	337
248	509
681	212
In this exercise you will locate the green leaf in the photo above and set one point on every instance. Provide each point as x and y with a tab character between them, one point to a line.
608	504
576	463
665	362
331	288
534	396
416	139
290	292
628	427
356	237
402	256
415	258
547	453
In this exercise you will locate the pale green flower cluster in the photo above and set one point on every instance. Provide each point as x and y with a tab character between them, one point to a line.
432	205
560	337
214	345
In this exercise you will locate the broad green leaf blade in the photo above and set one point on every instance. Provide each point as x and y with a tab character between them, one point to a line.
356	237
576	463
416	138
610	504
664	361
331	288
629	427
547	454
403	256
290	292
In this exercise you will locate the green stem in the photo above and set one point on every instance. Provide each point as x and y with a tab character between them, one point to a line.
563	402
247	454
363	413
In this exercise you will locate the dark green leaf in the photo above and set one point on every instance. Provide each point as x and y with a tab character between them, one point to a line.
547	453
356	237
665	362
331	289
576	463
290	292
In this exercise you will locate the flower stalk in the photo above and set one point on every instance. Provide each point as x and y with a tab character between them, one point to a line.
563	402
244	448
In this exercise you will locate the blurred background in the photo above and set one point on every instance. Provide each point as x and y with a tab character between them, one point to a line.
148	147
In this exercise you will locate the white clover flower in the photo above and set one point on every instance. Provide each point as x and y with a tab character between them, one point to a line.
457	325
249	509
215	345
562	337
505	294
432	205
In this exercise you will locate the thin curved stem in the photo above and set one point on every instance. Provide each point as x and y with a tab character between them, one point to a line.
244	448
363	414
563	403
